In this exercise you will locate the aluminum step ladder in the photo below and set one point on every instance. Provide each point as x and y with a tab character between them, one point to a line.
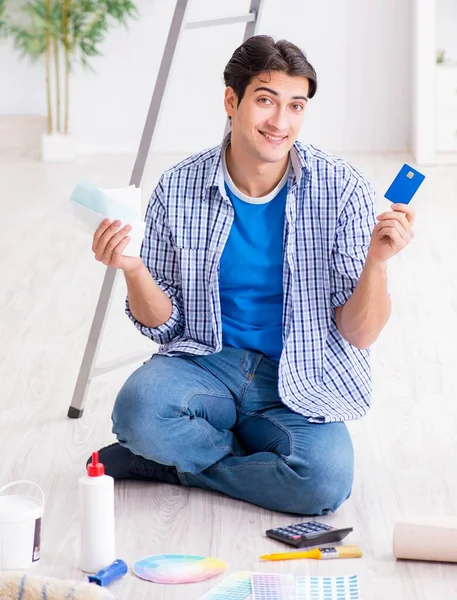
89	370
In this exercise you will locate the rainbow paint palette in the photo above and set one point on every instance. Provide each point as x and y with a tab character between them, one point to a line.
178	568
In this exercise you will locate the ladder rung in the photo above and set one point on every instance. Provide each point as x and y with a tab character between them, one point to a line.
250	18
108	367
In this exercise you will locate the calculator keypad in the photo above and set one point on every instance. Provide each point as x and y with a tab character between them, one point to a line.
303	529
307	534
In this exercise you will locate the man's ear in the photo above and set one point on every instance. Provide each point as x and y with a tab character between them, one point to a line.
230	101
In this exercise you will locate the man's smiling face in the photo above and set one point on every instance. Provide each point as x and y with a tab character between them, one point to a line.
268	119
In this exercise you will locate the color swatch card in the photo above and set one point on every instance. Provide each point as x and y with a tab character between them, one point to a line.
236	587
245	585
272	586
327	588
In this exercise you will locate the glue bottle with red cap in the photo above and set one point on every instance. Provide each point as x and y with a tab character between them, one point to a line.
96	502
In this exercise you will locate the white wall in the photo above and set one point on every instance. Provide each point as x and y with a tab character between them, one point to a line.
446	28
360	49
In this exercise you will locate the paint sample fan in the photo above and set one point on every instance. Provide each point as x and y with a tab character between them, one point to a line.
178	568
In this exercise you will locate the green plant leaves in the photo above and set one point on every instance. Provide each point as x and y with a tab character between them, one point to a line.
82	33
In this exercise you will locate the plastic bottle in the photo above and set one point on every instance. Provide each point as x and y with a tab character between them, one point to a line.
96	500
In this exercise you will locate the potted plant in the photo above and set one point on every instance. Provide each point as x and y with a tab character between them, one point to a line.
62	33
3	22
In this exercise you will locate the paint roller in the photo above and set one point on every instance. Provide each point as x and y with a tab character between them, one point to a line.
17	586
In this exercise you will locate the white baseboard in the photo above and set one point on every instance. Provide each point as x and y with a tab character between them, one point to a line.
103	149
84	149
20	136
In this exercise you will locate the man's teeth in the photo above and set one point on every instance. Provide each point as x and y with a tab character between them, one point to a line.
272	137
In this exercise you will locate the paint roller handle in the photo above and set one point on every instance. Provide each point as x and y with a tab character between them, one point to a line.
112	572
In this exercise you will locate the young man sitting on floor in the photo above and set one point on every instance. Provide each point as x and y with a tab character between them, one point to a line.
262	278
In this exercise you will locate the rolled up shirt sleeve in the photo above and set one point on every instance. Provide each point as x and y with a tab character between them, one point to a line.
352	240
159	257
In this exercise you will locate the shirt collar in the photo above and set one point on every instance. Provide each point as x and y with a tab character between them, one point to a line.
216	174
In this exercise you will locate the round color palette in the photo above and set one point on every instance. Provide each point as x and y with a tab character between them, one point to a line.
178	568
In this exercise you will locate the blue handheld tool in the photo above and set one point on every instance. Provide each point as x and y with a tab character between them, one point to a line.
115	570
405	185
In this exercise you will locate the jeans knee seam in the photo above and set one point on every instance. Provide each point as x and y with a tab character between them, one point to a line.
208	437
195	424
280	426
185	407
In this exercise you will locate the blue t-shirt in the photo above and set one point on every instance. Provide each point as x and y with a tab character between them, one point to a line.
251	272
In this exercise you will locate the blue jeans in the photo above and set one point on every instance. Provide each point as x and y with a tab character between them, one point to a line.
219	420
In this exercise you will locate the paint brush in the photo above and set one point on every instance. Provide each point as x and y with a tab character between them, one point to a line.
318	553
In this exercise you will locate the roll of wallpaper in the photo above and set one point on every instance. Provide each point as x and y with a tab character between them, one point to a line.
426	538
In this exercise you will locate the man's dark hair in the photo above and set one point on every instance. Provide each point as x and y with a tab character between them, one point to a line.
260	54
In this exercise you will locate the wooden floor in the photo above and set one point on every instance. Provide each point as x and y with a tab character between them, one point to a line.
405	447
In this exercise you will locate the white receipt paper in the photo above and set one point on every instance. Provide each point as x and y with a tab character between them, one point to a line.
91	205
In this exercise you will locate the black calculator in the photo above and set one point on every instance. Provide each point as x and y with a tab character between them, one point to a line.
312	533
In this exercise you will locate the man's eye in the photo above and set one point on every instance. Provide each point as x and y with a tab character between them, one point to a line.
298	107
264	100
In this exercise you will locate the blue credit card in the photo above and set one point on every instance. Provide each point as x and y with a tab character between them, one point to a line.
404	186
